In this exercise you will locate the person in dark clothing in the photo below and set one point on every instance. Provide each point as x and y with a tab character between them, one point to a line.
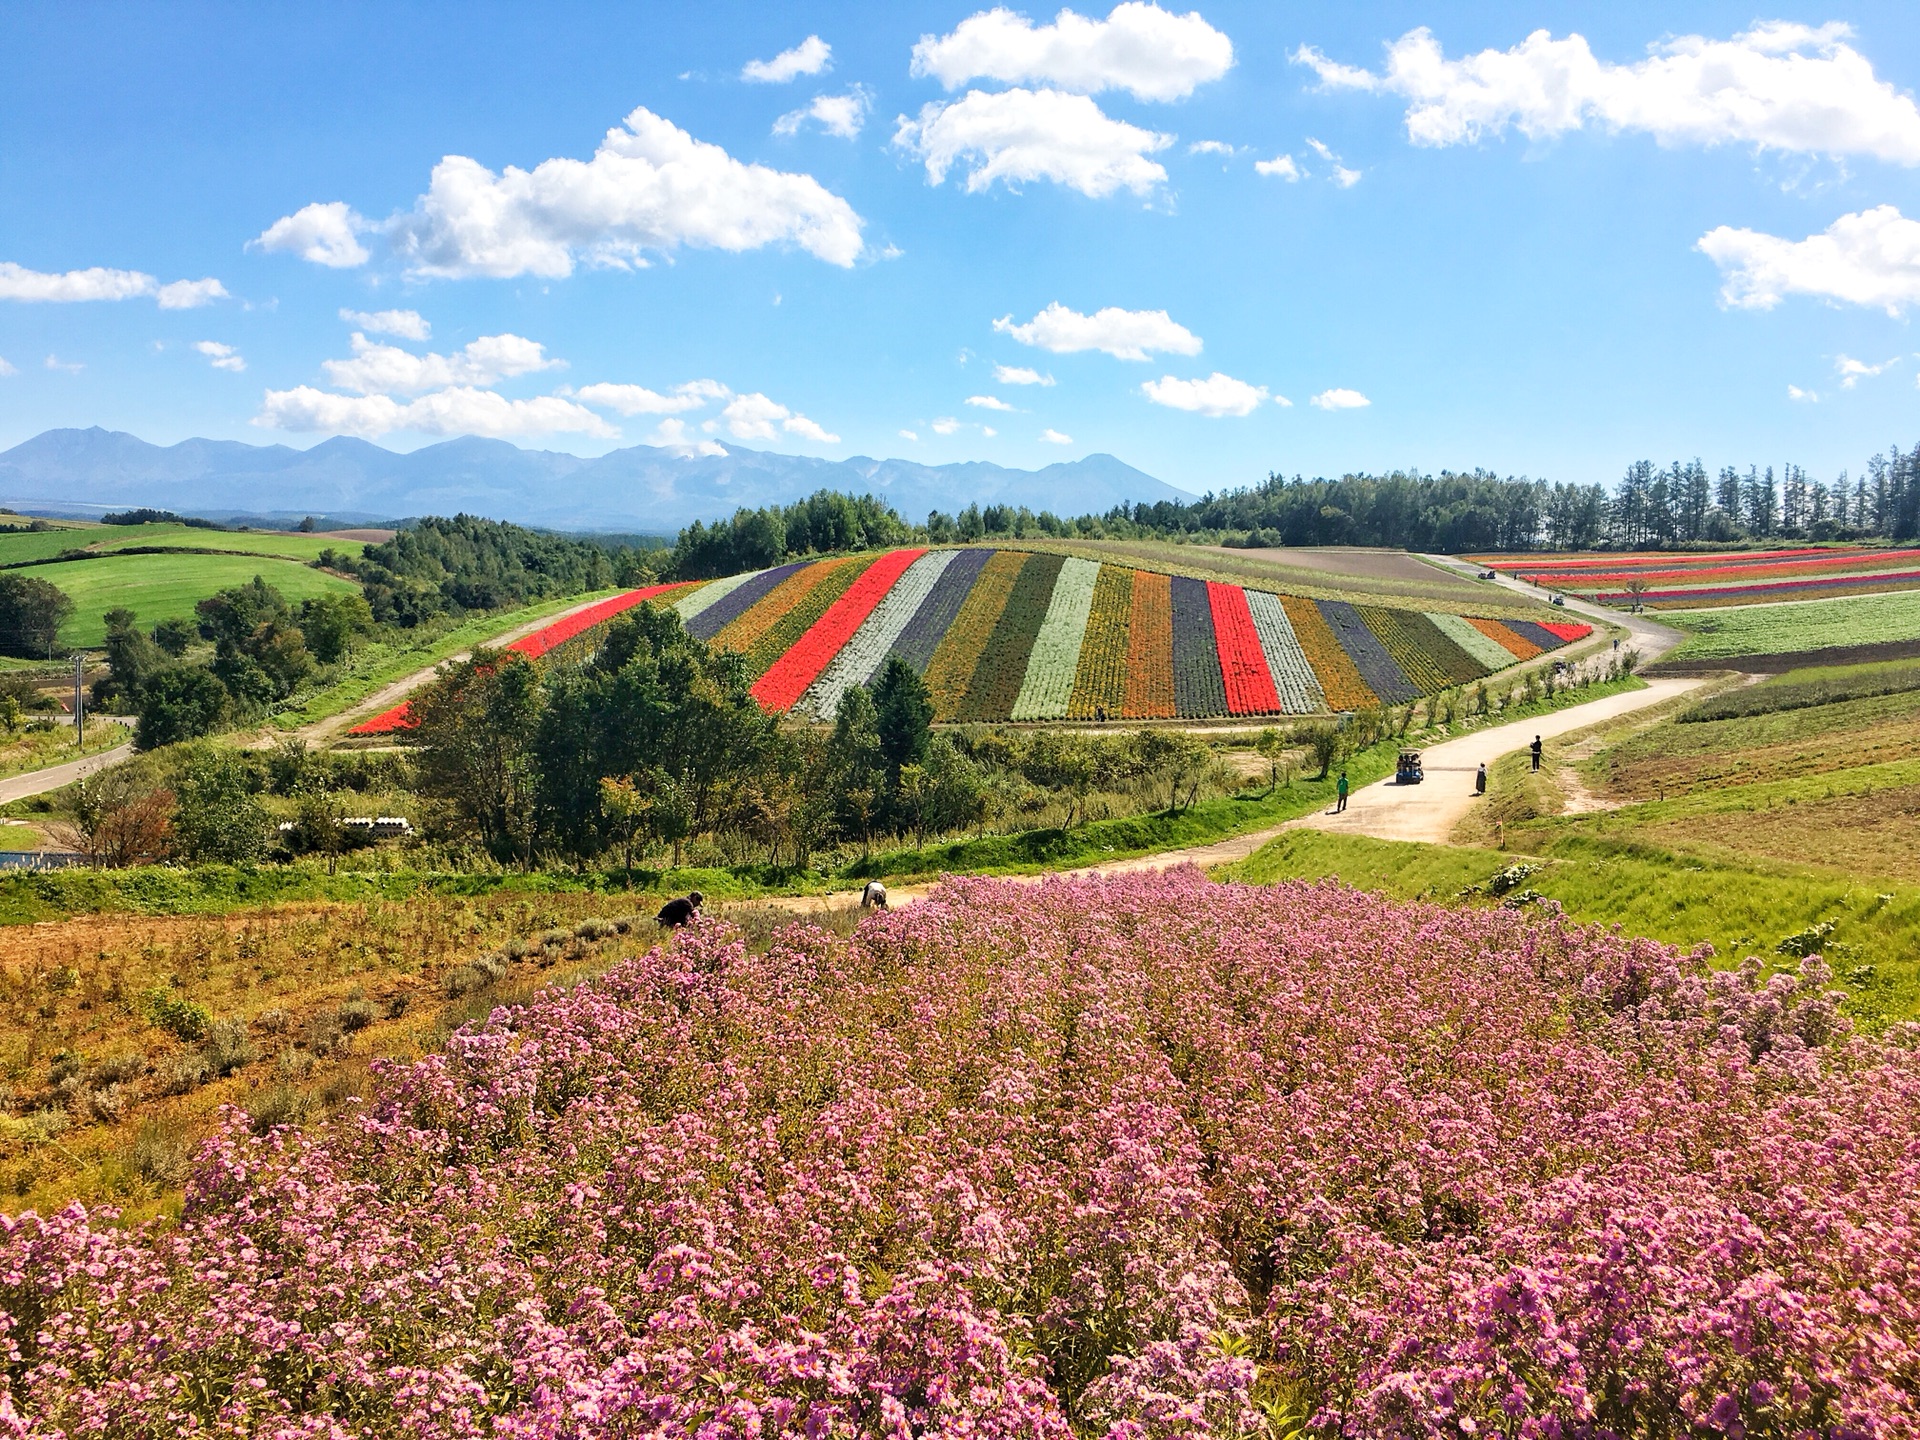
1340	793
1536	752
1480	780
678	912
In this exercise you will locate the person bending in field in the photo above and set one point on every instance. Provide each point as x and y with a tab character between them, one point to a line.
680	911
874	897
1535	747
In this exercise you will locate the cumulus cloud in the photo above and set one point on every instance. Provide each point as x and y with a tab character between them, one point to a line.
1051	436
1020	375
1852	371
1340	400
378	369
1778	86
1343	177
1871	257
1123	334
810	57
324	233
1218	395
639	400
98	283
407	324
1140	48
945	425
221	357
754	416
841	115
1022	135
988	402
459	410
1211	147
1283	166
649	189
673	435
1794	392
909	435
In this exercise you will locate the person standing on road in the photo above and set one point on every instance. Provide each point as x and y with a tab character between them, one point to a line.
1480	780
1535	747
1340	793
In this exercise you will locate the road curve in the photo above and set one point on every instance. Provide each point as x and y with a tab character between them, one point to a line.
39	782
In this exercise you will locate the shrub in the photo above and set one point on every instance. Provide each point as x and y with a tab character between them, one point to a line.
184	1073
227	1047
180	1017
160	1154
356	1014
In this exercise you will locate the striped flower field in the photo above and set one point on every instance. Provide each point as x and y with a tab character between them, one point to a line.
1716	580
1029	636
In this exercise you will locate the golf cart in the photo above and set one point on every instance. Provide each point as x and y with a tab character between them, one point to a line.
1408	771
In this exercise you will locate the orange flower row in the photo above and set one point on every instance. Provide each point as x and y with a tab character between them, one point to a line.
1339	676
1149	680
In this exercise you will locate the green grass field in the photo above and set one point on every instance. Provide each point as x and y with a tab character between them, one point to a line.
167	587
102	539
1796	625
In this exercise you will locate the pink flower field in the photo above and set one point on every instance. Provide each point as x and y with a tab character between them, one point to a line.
1142	1158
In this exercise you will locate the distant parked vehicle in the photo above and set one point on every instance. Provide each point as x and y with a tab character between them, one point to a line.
1409	771
1488	575
1559	600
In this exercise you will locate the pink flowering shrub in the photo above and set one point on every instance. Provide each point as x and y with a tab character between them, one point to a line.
1141	1158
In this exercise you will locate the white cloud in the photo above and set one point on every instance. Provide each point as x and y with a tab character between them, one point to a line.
672	434
1022	135
460	410
841	115
649	188
5	368
638	400
71	367
1340	400
1218	395
1020	375
222	357
1123	334
325	233
909	435
73	286
945	425
407	324
1281	165
988	431
1794	392
1871	257
1343	177
988	402
1211	147
1778	86
1139	48
377	369
1283	402
1054	437
1852	371
811	56
753	417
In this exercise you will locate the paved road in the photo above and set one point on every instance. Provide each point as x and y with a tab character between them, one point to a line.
39	782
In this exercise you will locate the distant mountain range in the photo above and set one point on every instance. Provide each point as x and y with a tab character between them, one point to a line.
642	489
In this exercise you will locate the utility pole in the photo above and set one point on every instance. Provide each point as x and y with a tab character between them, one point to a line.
79	700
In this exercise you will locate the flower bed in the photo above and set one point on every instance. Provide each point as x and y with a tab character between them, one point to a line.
1003	663
1515	645
1417	655
958	653
721	612
1048	686
1137	1158
1746	570
1566	631
1340	678
759	627
1100	684
1487	652
860	659
1293	677
930	623
1198	688
1384	678
1150	648
788	677
1243	663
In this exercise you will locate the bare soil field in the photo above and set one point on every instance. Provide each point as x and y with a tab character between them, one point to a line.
372	537
1370	562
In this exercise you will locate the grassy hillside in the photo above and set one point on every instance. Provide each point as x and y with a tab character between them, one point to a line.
1801	625
1032	634
104	539
167	587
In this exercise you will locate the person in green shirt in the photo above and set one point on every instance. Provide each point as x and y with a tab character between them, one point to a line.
1340	793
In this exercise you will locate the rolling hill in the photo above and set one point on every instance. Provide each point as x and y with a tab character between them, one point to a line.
1033	635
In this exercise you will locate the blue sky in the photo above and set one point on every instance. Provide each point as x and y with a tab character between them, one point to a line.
1689	231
